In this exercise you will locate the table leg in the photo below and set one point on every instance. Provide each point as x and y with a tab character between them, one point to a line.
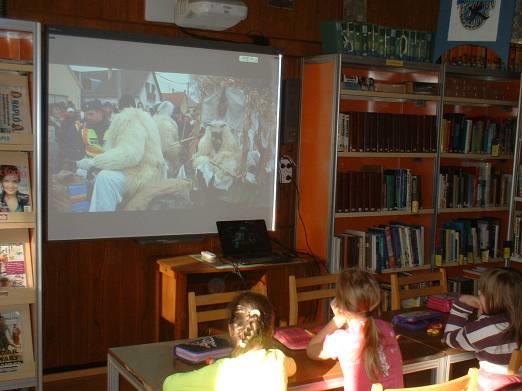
180	300
113	375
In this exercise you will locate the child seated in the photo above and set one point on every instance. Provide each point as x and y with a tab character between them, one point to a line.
490	325
365	346
252	366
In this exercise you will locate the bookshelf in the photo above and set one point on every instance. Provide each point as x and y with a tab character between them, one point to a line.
477	141
398	131
20	214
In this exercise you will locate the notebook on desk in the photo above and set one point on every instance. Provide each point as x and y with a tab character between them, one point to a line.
247	242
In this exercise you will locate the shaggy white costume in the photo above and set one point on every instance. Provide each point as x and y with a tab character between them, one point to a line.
221	164
169	133
132	158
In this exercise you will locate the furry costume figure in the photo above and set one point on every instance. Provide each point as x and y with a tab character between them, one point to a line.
218	155
132	151
169	133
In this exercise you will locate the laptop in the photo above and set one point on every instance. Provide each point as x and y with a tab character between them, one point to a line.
247	242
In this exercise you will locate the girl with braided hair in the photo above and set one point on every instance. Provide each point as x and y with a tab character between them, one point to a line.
366	347
252	366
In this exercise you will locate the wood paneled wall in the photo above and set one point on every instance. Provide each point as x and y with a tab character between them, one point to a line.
103	293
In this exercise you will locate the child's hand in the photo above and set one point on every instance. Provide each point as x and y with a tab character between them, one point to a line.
470	300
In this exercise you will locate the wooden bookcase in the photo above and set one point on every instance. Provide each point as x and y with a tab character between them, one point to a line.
342	177
487	100
20	230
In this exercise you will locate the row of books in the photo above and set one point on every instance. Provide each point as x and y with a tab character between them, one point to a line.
461	134
481	57
372	40
381	132
375	189
383	247
469	240
473	186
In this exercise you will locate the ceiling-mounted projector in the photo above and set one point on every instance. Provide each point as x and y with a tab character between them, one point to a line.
215	15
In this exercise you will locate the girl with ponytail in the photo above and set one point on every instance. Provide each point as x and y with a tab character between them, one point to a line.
366	347
253	366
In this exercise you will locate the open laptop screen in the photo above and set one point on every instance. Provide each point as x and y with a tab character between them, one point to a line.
244	238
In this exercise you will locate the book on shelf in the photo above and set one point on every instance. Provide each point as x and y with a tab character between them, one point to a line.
374	189
16	343
381	247
201	349
460	285
460	134
473	185
15	191
465	241
15	117
383	132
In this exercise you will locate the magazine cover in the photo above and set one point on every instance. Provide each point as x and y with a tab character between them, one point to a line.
14	105
16	347
15	183
12	265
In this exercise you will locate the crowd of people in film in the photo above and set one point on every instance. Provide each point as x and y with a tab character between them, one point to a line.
367	348
130	155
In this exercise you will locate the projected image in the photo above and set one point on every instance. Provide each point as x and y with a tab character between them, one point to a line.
132	140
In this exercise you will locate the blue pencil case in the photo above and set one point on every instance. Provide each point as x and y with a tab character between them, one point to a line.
417	320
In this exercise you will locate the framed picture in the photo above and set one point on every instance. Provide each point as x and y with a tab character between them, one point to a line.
463	22
16	343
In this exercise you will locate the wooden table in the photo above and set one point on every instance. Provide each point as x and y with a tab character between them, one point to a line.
435	342
175	273
146	366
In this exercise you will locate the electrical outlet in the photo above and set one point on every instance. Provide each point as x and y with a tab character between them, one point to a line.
285	170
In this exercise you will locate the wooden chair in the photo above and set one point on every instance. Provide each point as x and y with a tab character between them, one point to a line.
515	362
215	299
467	382
297	297
398	294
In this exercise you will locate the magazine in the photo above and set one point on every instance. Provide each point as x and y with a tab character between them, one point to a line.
14	104
12	340
12	265
15	185
16	343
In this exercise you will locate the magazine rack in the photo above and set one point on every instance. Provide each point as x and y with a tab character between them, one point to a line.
20	214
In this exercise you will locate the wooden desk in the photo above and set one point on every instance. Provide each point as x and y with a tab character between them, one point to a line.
175	273
434	342
146	366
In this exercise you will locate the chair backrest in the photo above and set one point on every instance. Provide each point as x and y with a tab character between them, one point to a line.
515	362
323	290
397	283
467	382
214	299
